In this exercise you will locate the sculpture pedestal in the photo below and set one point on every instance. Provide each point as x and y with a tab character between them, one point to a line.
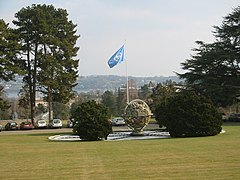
137	134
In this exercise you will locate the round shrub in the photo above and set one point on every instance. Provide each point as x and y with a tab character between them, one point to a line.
189	115
91	121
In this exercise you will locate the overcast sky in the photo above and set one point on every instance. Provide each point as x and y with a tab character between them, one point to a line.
159	34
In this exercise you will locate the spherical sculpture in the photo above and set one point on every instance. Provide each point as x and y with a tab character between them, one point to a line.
137	116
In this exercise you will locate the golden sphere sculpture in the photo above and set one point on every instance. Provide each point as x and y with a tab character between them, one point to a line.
137	115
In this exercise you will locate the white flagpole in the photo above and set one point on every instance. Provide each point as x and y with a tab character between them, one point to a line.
127	88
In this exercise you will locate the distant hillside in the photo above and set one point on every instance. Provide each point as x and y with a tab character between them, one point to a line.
94	82
112	82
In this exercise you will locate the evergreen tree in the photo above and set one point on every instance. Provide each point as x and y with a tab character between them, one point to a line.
24	102
48	41
91	121
161	92
61	111
144	93
8	58
214	69
189	115
4	105
109	101
8	53
121	101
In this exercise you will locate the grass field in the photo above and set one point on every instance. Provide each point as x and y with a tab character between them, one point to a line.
35	157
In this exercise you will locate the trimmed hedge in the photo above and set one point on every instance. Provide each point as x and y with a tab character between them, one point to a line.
91	121
189	115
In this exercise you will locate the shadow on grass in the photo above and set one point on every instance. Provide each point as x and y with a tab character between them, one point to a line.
50	134
231	124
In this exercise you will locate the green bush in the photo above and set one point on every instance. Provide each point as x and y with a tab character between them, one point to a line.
91	121
189	115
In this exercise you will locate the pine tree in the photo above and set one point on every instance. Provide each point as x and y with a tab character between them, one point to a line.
214	69
48	46
9	66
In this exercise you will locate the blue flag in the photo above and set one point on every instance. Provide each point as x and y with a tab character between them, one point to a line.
116	58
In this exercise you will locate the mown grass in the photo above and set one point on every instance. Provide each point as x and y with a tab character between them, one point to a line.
35	157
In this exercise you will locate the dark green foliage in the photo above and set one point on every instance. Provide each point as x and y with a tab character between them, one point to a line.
109	101
214	69
24	101
121	101
212	73
4	105
6	62
47	40
145	92
160	93
60	110
91	121
73	109
59	69
189	115
40	109
9	66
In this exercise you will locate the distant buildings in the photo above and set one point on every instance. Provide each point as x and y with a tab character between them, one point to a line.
93	83
39	100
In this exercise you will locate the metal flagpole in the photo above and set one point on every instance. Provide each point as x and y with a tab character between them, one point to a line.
127	88
127	84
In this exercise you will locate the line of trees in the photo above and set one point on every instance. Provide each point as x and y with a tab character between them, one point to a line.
213	71
41	48
150	93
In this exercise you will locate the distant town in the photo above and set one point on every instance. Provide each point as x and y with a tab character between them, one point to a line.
92	83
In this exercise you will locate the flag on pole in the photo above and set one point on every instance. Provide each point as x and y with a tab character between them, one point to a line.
116	58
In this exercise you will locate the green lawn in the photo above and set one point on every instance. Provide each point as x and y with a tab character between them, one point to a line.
35	157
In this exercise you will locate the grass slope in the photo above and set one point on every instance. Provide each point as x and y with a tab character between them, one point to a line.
35	157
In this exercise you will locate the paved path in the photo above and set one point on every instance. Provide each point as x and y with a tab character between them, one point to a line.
67	130
36	131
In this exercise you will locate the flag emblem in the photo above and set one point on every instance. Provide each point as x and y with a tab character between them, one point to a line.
116	58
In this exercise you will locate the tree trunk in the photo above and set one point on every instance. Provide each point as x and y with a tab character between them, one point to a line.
49	104
30	84
34	80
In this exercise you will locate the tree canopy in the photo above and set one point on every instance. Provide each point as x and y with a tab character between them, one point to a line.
109	101
214	68
161	92
9	65
47	40
8	53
